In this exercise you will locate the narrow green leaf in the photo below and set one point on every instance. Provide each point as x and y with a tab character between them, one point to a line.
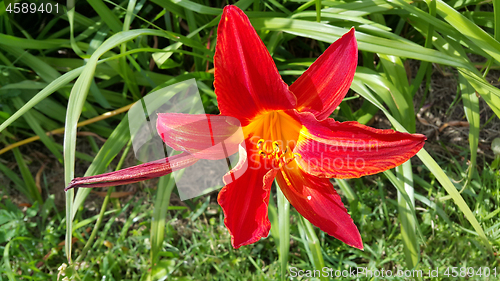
19	183
106	15
165	186
406	216
347	190
496	13
34	194
13	41
471	108
35	126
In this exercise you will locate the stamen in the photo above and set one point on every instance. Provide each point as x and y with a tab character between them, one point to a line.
279	155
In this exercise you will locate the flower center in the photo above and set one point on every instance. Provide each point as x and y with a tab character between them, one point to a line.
274	135
280	156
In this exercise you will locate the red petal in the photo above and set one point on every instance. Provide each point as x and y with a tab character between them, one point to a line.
246	79
317	201
323	86
351	150
245	199
204	136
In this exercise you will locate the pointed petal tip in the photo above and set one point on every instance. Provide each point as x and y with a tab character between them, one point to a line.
230	11
353	241
325	83
245	209
245	69
351	33
358	245
239	244
229	8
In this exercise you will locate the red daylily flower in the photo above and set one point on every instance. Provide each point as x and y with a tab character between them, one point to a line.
287	135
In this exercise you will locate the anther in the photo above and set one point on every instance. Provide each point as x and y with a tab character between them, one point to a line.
259	143
276	146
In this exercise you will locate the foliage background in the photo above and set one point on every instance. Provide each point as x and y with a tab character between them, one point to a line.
426	66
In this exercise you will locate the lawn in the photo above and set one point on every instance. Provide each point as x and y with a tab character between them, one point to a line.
81	86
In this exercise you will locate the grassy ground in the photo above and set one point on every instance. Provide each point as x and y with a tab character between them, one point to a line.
427	67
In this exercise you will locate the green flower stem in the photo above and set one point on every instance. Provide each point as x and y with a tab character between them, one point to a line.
284	230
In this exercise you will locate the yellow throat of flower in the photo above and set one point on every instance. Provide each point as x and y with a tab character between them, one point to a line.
274	135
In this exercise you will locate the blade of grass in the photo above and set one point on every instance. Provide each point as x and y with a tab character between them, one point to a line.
18	182
396	73
34	194
273	218
496	14
8	269
471	108
47	91
347	190
17	42
312	245
71	19
165	186
106	15
35	126
318	10
45	71
425	65
406	216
